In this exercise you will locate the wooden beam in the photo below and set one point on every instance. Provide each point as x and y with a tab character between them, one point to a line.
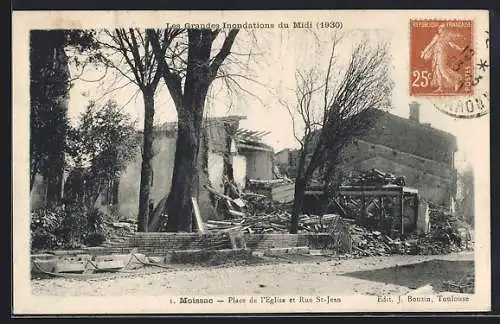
260	133
252	133
251	147
266	133
197	215
402	213
242	131
360	193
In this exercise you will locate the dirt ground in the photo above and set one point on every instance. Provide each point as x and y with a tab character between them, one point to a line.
285	276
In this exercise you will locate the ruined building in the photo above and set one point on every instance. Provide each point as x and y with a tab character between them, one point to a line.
405	147
225	151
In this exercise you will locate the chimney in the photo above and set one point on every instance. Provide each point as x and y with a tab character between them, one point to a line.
415	111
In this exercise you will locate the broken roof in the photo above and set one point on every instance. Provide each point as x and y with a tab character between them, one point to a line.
252	140
249	135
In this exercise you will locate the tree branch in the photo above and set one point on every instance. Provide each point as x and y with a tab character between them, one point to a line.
123	50
224	51
172	80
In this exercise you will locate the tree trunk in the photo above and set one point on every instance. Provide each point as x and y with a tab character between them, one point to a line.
329	187
147	156
54	189
52	108
34	171
298	201
190	117
184	178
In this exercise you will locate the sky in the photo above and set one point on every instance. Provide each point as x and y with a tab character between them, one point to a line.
275	56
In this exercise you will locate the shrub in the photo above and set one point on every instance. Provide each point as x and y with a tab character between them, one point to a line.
66	227
74	225
95	221
95	228
45	224
95	239
41	239
49	219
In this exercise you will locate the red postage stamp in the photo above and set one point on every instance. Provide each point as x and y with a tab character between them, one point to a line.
441	57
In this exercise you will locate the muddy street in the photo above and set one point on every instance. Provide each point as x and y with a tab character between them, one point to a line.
306	276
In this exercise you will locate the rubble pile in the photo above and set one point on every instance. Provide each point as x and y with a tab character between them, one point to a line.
120	228
465	285
375	243
447	235
274	222
118	232
250	212
257	204
375	177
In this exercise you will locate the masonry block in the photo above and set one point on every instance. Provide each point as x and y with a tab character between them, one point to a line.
210	257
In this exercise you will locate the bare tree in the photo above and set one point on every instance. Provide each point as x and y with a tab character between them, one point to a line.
188	69
332	104
141	68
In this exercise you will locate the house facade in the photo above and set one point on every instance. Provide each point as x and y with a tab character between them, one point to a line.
424	155
225	151
286	160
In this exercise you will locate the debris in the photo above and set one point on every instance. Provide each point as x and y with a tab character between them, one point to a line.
213	191
444	237
370	243
237	240
464	285
197	216
156	218
122	225
255	211
109	265
235	213
376	177
239	202
153	259
70	266
424	290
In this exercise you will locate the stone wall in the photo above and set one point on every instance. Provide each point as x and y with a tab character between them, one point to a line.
159	243
163	165
259	164
362	150
435	181
162	243
411	137
271	241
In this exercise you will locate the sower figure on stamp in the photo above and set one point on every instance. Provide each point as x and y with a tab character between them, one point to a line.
443	77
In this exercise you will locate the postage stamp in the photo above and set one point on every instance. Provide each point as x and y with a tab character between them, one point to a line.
445	69
441	53
250	162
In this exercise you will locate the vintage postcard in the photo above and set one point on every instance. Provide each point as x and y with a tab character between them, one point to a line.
251	162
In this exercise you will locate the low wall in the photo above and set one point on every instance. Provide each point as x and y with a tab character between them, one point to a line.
94	251
161	243
270	241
